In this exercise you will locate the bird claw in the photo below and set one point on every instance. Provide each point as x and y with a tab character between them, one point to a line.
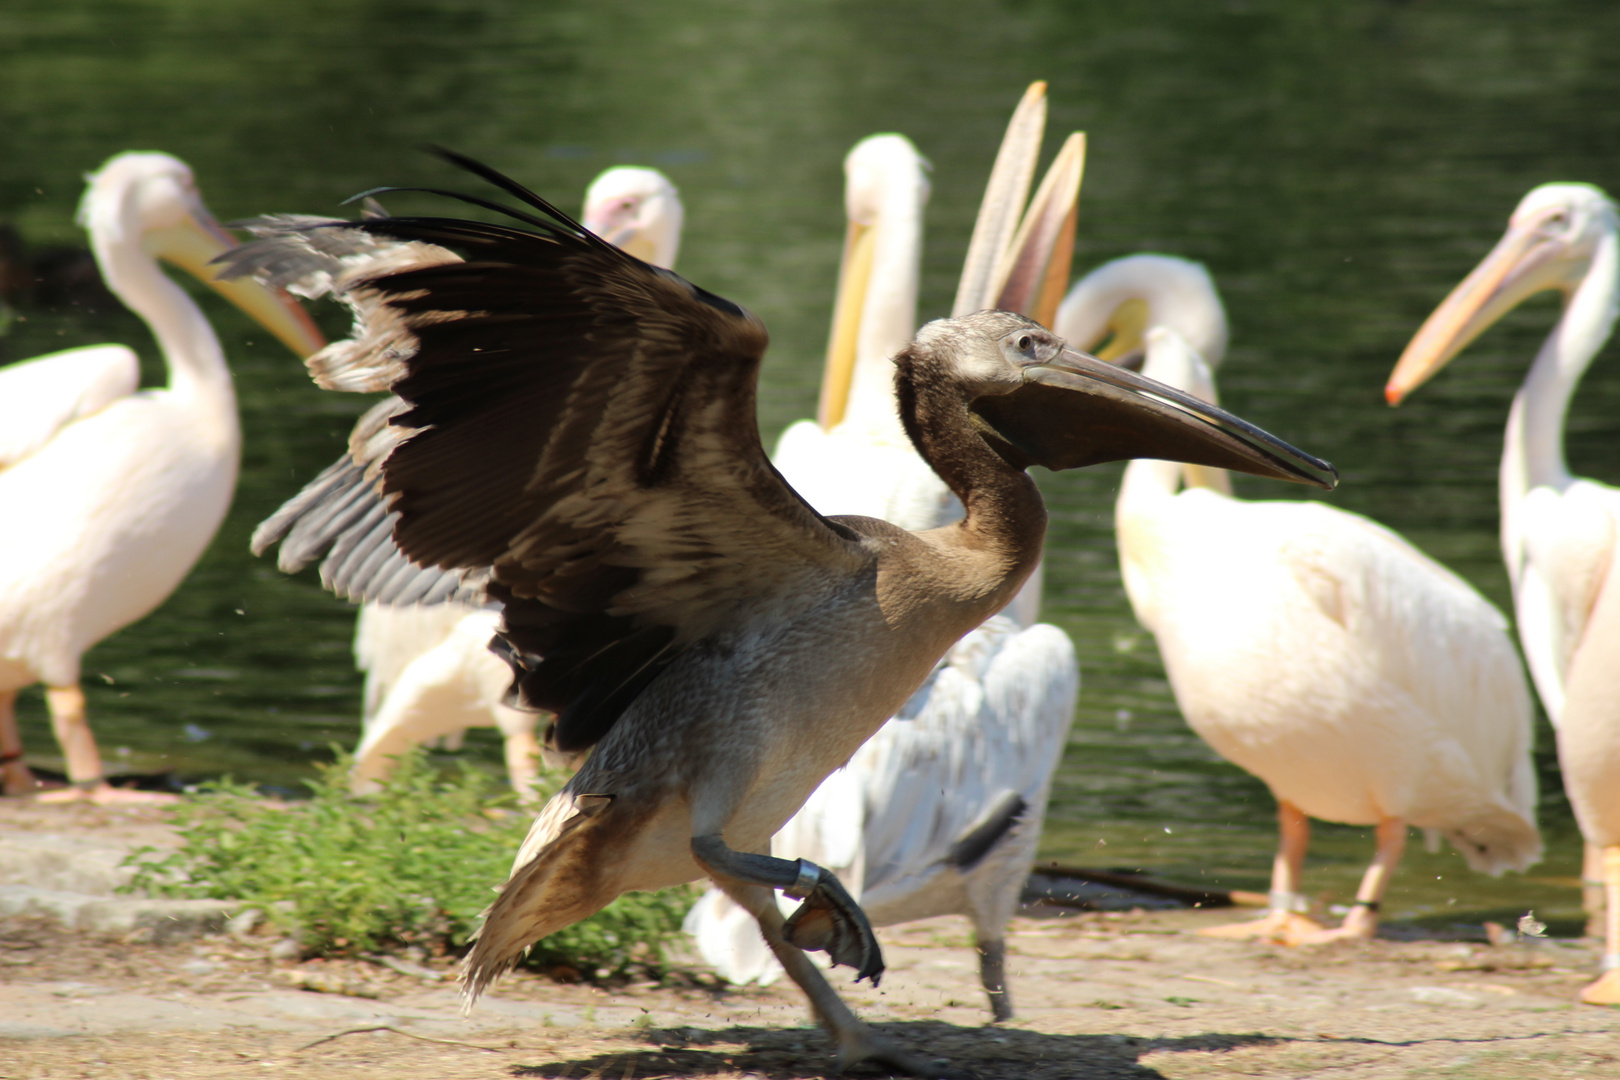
831	921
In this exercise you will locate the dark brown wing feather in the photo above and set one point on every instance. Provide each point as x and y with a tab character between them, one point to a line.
580	426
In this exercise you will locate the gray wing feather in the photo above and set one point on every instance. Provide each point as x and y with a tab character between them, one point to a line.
342	518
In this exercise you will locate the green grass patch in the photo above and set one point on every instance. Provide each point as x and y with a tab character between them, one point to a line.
413	866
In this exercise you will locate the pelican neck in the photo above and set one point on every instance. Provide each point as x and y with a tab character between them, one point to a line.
191	350
1533	445
1005	517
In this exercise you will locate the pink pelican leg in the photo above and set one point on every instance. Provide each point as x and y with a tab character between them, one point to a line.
1285	922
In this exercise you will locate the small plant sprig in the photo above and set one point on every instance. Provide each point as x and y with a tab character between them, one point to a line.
413	865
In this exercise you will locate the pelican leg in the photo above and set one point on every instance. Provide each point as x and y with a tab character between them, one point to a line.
78	745
829	919
15	776
1606	991
993	976
856	1041
1592	889
1284	921
1362	922
522	763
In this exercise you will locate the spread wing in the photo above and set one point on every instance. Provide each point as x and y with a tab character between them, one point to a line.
577	430
39	397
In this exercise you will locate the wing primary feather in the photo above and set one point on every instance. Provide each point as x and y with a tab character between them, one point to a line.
512	187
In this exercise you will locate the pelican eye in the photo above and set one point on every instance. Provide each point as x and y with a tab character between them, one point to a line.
1025	343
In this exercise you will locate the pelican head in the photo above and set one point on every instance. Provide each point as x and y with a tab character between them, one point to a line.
875	310
1552	239
149	202
1037	401
637	210
1109	311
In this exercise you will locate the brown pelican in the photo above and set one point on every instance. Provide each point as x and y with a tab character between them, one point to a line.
429	672
579	444
121	488
1362	681
939	812
1558	530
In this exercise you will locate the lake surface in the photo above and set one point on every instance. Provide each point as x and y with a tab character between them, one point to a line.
1337	166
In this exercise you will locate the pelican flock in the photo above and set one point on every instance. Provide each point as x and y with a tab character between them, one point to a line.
817	680
1558	530
577	443
1361	680
121	488
941	810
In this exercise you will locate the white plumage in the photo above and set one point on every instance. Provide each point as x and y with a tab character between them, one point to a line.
429	672
1558	531
1362	681
110	494
939	812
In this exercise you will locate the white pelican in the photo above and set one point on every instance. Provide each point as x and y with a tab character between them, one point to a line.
1558	531
1362	681
940	812
580	446
120	489
429	672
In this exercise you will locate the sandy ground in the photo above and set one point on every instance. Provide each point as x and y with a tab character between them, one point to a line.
1098	995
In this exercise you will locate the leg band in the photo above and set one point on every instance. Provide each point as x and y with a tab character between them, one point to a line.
1611	962
90	785
1283	901
1370	905
809	877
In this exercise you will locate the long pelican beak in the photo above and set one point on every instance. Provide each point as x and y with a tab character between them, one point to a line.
1525	261
854	274
1076	410
194	243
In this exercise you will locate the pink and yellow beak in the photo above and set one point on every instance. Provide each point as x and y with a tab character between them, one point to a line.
194	243
1527	260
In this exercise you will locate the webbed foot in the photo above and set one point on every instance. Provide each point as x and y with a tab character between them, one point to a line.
861	1043
1606	991
831	921
1277	927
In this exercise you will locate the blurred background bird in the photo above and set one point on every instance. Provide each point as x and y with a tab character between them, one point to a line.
1558	530
1362	681
110	493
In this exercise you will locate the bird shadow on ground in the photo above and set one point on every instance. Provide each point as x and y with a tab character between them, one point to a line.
986	1053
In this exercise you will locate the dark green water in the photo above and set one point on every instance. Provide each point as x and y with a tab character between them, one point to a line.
1338	166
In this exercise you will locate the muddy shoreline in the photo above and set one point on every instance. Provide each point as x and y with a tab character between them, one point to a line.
1116	994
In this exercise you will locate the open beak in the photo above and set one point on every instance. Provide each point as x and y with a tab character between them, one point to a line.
1003	205
1036	270
1525	261
1076	410
854	275
1019	259
196	242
